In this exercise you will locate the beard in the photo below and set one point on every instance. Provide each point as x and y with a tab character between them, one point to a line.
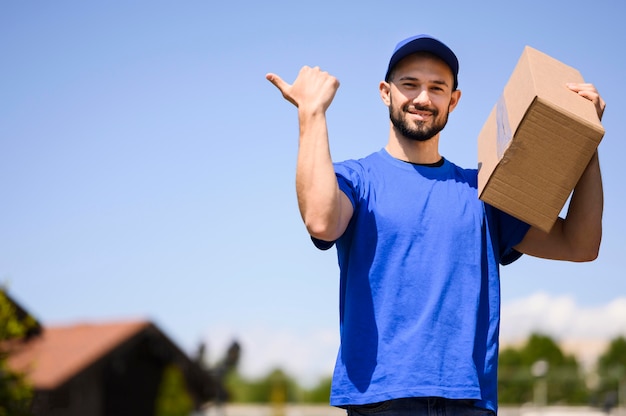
420	131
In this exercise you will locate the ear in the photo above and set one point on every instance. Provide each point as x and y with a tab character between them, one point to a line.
385	90
454	100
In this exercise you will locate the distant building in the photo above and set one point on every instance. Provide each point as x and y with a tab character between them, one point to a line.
103	369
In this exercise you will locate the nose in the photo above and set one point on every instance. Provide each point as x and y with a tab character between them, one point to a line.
422	98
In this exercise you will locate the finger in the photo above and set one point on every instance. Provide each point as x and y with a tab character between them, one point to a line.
575	86
589	92
585	90
582	87
282	86
278	82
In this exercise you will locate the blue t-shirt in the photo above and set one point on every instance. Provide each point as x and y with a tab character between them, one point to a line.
420	290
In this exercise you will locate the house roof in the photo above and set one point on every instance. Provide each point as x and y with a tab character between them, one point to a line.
60	352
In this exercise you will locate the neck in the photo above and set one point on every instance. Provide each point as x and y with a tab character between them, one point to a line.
413	151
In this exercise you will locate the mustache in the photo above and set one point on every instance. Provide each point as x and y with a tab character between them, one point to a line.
410	107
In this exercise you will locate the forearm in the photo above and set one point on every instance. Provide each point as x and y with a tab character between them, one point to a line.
325	210
583	224
578	236
316	184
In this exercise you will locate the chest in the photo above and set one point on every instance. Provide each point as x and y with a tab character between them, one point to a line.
418	208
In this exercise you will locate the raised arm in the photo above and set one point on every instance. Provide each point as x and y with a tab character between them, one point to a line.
325	209
578	236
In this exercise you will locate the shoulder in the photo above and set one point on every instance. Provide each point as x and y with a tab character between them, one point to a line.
361	168
469	176
369	160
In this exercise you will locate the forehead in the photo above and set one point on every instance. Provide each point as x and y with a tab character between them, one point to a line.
423	62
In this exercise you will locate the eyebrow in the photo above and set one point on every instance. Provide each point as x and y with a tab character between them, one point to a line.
435	81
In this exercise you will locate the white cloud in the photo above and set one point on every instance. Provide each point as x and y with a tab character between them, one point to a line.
562	318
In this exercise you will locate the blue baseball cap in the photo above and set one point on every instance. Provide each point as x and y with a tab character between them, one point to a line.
424	43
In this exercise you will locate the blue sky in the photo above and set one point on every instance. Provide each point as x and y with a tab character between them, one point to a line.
147	166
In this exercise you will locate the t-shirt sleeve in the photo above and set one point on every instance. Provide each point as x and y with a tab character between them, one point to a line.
348	181
510	232
345	179
321	244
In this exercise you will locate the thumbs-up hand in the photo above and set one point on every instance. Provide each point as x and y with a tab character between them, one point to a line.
313	90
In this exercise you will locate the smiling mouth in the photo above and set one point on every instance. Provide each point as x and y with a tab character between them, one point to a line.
419	114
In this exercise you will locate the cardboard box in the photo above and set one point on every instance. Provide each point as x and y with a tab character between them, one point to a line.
537	141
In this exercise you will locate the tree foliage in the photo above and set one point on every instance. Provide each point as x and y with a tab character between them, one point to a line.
15	393
173	399
276	388
319	393
611	372
516	381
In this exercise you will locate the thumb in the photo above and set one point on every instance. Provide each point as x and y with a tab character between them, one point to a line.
282	86
277	81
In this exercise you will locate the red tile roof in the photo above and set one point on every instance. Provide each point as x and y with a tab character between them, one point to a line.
62	351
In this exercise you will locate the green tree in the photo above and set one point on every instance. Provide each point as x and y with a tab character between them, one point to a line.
514	378
275	387
173	399
15	392
612	372
564	378
319	393
516	381
238	387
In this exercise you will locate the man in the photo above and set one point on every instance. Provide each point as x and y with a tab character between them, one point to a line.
418	251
